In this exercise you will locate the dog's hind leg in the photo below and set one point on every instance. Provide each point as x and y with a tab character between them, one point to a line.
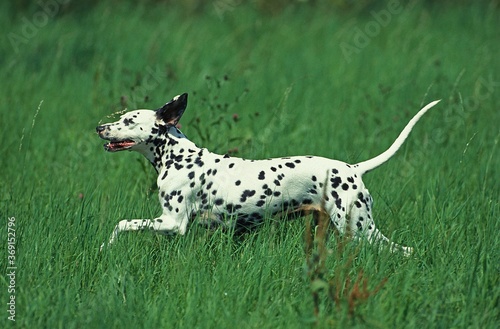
361	224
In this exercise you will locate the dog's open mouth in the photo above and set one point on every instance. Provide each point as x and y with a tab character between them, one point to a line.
114	146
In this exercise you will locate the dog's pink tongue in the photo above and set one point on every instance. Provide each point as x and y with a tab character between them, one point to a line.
117	146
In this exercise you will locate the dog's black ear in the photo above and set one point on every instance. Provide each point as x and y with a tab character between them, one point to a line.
171	112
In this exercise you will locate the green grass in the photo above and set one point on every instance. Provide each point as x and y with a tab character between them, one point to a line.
295	93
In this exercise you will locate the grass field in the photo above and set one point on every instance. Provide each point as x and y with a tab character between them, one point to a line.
302	80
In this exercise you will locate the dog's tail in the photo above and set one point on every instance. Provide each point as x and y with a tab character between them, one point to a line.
368	165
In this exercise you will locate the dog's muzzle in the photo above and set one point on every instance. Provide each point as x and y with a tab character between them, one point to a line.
114	145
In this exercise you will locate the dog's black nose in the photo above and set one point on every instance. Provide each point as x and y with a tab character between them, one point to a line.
99	129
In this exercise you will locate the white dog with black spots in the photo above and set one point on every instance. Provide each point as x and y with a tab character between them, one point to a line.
227	190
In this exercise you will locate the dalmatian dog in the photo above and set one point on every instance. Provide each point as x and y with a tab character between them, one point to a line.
194	182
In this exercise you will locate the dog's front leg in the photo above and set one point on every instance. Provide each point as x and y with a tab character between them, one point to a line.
128	225
160	225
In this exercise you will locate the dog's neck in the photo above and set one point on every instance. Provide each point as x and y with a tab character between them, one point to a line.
171	143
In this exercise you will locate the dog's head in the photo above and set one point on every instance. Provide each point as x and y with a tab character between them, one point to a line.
144	130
